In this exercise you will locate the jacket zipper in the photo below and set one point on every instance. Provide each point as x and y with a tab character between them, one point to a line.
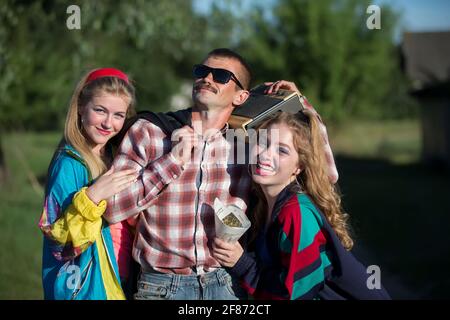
107	254
87	270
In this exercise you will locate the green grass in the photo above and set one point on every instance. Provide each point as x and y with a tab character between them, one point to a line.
396	141
398	207
400	214
21	205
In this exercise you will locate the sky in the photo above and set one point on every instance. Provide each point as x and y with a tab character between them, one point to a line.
422	15
417	15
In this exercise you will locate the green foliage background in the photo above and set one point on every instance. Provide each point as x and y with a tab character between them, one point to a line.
324	46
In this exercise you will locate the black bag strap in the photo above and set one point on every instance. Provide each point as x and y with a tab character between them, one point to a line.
167	122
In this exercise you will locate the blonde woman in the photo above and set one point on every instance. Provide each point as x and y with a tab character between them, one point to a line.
78	253
300	242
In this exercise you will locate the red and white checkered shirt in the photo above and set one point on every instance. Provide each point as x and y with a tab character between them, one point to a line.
176	221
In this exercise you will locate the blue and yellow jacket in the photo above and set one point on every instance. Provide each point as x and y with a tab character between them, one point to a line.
78	260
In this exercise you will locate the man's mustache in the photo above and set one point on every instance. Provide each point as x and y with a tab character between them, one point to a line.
203	85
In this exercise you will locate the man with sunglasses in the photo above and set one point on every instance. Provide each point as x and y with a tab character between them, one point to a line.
181	174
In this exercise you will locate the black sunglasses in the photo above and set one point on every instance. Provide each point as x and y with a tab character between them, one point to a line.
219	75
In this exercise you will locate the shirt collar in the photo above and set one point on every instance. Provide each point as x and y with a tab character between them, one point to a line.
220	133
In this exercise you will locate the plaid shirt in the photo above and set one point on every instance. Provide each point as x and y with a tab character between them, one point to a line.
176	222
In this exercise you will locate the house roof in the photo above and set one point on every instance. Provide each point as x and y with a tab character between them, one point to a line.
427	58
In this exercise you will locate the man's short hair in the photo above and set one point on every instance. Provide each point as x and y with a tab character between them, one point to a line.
246	73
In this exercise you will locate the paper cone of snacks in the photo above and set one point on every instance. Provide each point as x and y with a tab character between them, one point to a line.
231	221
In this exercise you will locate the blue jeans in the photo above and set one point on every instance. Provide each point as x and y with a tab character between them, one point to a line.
215	285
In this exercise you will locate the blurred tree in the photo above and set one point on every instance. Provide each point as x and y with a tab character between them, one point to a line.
326	48
41	60
2	164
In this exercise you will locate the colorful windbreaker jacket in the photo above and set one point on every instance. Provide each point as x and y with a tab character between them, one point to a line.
301	257
78	257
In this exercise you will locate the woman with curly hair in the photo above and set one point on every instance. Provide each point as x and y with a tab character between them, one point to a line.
300	240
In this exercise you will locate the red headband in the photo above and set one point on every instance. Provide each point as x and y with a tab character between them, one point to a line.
107	72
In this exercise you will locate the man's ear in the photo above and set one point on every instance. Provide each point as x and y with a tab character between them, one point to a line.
240	97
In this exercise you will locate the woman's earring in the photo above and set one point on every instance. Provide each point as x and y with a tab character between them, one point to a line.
80	124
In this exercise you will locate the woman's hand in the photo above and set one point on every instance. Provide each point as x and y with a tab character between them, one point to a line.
227	253
111	183
280	84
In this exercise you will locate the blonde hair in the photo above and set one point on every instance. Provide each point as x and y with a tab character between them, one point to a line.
313	179
73	130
